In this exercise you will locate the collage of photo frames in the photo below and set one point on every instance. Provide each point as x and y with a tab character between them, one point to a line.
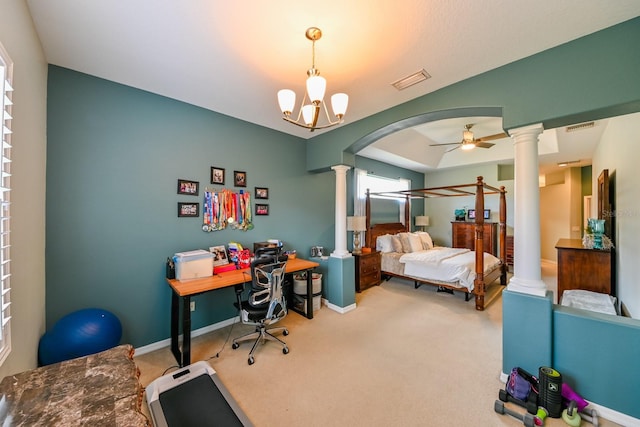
192	188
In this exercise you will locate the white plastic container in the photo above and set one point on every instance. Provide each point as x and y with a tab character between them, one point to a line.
193	264
300	284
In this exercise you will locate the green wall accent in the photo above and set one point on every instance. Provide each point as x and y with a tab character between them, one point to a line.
589	78
113	160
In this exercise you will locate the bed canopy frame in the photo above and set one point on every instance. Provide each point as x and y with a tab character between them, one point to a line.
480	189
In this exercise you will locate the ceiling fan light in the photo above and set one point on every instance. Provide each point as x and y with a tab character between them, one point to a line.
339	103
316	86
468	146
467	136
307	114
286	100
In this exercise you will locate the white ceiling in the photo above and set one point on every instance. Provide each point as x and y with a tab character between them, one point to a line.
233	57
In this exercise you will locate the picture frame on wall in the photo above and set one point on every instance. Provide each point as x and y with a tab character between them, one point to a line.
262	193
191	188
239	179
262	209
188	209
217	175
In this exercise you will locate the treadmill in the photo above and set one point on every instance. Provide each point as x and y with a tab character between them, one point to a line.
193	396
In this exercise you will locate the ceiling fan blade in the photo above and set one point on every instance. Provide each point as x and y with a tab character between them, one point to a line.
492	137
450	150
447	143
484	144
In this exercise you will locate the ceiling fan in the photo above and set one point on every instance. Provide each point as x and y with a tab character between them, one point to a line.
468	141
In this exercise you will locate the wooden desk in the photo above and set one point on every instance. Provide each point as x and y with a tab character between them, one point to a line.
185	289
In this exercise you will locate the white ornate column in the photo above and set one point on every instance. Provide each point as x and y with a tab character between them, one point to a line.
527	274
340	250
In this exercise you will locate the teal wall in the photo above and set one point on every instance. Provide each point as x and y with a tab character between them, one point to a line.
528	330
114	156
598	355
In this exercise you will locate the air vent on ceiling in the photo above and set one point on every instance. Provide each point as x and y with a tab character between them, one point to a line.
414	78
581	126
570	162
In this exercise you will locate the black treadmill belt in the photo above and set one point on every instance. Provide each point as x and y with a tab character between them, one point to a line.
197	402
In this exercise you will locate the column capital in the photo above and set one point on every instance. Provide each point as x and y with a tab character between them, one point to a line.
526	132
340	168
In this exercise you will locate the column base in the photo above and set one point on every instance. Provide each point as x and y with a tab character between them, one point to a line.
340	254
527	286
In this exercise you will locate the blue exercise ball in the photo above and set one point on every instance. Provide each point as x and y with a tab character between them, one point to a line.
80	333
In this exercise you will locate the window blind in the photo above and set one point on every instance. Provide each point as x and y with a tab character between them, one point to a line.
6	78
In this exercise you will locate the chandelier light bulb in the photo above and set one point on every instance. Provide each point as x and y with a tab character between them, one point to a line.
316	86
339	103
307	114
286	99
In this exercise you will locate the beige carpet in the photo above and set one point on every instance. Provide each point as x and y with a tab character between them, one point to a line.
404	357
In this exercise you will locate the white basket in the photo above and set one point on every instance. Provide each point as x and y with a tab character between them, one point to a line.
300	284
300	303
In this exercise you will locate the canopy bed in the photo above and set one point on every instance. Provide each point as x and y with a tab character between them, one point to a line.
448	268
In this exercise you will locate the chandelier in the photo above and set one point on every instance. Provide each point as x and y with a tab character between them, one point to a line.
312	101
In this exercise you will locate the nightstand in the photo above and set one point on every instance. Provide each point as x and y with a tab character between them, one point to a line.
367	270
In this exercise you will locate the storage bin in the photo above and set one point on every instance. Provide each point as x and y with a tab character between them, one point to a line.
300	284
300	303
193	264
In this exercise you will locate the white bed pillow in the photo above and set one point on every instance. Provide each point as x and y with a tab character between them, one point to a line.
397	245
427	242
415	242
384	244
404	241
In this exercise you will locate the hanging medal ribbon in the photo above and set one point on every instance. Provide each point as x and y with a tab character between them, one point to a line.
226	208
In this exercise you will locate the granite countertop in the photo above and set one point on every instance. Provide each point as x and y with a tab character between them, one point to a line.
96	390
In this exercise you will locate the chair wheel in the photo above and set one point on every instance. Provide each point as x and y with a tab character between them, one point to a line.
285	332
251	360
235	345
285	350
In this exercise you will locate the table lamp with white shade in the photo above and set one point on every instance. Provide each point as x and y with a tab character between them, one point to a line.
421	221
356	224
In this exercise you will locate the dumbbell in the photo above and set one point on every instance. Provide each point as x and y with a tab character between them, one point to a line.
527	418
590	416
531	404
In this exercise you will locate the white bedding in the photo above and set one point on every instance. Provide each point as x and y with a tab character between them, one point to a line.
450	265
588	300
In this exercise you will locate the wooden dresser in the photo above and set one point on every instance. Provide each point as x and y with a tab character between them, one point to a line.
509	250
582	268
463	235
367	270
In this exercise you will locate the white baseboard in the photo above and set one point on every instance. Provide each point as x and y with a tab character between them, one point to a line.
341	310
603	412
166	343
